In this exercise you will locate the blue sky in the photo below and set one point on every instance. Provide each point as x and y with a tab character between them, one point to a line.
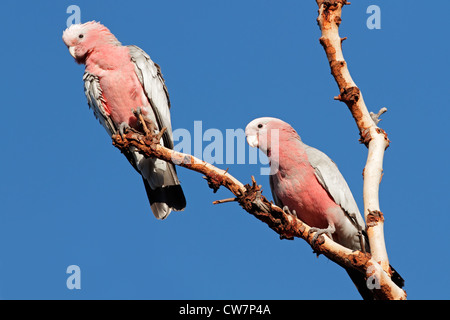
68	197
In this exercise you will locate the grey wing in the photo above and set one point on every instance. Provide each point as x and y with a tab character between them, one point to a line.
160	177
93	93
275	198
150	76
331	179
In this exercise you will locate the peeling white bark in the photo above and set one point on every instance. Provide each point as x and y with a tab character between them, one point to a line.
374	138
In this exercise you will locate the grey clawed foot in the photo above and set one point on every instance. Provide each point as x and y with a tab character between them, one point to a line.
328	231
123	128
137	112
292	213
259	203
139	115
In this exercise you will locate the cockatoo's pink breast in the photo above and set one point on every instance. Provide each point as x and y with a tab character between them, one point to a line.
301	193
297	187
121	90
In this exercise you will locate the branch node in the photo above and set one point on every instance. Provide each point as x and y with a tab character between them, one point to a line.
350	95
373	217
381	131
365	137
214	181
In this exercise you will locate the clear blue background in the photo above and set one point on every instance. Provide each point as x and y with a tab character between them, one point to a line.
69	197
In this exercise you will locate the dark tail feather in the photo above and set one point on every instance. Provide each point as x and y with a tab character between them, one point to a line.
165	199
361	283
397	278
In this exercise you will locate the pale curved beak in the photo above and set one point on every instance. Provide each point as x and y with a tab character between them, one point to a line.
72	52
252	140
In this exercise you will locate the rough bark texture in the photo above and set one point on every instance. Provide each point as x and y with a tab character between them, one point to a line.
287	225
372	136
249	197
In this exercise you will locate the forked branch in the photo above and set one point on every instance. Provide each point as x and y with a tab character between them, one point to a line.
286	224
372	136
249	197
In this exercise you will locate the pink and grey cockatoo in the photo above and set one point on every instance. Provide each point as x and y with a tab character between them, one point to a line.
120	81
306	181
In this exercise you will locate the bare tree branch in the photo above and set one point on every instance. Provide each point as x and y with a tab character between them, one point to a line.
249	197
372	136
286	224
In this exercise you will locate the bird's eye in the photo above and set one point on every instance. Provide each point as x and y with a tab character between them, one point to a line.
260	125
81	36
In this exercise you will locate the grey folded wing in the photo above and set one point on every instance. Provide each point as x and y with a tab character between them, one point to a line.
160	177
331	179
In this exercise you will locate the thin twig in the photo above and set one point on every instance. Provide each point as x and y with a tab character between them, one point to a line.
225	200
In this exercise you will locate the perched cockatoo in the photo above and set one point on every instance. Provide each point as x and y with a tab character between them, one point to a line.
308	182
118	82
